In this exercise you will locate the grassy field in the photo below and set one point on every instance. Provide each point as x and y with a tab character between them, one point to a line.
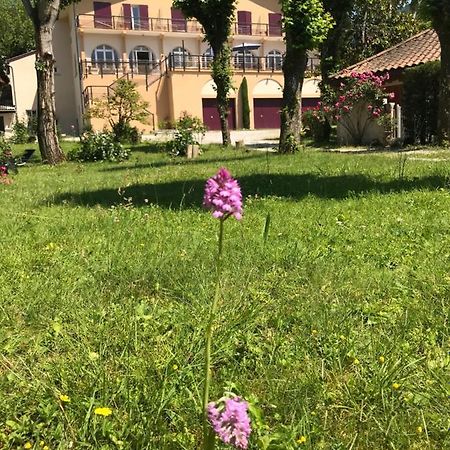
336	326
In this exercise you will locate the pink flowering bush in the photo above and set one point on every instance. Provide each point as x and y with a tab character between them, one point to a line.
357	101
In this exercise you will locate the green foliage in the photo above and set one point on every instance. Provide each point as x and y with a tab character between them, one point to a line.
5	145
373	26
20	132
125	133
306	22
123	105
245	104
106	278
16	29
99	147
314	121
188	131
421	102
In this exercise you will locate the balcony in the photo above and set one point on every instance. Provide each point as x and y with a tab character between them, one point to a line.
161	25
189	63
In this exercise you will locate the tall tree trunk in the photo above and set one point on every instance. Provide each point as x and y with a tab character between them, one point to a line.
294	66
221	74
43	14
51	152
444	87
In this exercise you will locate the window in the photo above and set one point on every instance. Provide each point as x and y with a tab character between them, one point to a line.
244	25
274	60
142	60
207	58
274	24
245	59
179	57
105	58
135	17
102	15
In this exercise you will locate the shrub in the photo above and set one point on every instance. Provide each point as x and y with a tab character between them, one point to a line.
5	146
421	94
125	133
189	129
99	147
357	101
314	124
20	132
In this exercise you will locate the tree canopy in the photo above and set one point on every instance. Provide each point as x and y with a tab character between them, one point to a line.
16	29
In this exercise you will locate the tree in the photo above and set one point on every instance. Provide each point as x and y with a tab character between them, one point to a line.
245	105
123	105
439	13
372	26
306	25
43	15
16	29
216	18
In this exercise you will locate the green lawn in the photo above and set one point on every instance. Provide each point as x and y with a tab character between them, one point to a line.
336	326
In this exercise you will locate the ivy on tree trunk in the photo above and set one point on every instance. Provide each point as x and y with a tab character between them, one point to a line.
306	25
216	17
291	118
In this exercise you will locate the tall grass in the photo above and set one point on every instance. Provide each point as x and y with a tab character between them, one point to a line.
334	318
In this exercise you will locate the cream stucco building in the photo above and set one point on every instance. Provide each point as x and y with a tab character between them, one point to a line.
152	44
18	99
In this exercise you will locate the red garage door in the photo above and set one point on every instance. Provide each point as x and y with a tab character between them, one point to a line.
211	115
267	112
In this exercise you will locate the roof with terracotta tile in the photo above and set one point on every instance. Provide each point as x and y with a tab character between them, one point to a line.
421	48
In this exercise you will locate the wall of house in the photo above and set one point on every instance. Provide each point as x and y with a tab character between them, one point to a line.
24	85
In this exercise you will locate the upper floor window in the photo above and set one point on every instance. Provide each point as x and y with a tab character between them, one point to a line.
102	15
105	58
142	59
135	17
274	60
207	57
275	26
244	22
179	57
178	20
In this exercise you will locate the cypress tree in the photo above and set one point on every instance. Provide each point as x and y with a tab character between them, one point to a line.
245	105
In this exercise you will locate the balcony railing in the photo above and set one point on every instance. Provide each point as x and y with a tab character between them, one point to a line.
162	25
191	63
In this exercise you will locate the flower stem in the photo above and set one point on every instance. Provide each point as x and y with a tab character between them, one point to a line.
208	438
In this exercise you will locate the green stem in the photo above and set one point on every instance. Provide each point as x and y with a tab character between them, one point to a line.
208	438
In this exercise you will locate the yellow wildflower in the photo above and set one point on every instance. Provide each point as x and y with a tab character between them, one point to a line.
104	411
175	367
301	440
28	445
419	429
314	332
64	398
381	359
45	447
356	361
342	337
396	385
42	443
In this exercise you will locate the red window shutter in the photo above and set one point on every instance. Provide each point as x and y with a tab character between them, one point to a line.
126	16
178	20
102	15
274	24
244	22
143	13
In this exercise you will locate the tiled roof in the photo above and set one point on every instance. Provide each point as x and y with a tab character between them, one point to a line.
421	48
